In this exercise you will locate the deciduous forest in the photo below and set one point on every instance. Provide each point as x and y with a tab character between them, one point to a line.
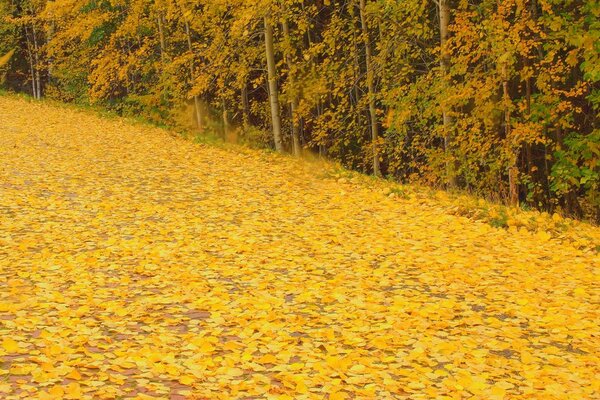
501	98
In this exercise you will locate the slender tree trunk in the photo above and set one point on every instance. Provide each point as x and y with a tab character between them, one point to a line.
163	55
513	170
31	66
38	80
225	117
371	89
193	76
528	147
356	69
161	36
273	93
444	12
322	142
293	98
50	60
245	106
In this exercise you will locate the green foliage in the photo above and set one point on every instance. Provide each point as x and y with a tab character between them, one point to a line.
577	166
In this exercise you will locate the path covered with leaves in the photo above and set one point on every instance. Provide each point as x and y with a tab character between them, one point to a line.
134	263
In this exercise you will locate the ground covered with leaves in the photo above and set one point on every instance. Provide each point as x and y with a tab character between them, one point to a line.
136	264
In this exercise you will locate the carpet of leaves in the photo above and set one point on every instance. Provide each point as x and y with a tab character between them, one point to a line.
136	264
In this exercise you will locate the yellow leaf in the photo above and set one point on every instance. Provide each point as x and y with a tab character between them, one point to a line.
57	391
338	396
10	345
358	368
543	236
337	363
504	385
187	380
416	385
73	391
556	217
43	395
498	392
477	385
74	374
235	372
206	347
6	57
526	358
301	387
267	359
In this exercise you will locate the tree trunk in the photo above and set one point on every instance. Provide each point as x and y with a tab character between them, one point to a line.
50	60
193	77
38	80
161	36
293	98
319	113
225	118
371	88
31	66
356	70
273	93
245	106
513	170
513	177
528	146
444	11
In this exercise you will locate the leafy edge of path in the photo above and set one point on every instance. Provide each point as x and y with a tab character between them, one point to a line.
578	234
581	235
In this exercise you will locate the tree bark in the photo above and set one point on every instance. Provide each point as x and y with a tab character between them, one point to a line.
513	170
193	76
161	36
293	98
444	12
273	92
371	89
245	106
355	48
528	146
225	117
31	66
38	80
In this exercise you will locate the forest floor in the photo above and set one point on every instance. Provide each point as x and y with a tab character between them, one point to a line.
137	264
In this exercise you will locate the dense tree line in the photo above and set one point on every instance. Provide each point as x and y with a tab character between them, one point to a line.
499	97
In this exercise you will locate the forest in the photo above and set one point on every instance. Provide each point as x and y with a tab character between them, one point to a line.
498	98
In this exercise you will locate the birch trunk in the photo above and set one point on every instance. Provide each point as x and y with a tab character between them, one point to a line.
293	98
36	53
273	93
371	88
193	76
245	106
444	11
31	67
161	36
513	170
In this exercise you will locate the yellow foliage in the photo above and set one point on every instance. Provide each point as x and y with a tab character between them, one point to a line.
6	58
10	345
139	265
